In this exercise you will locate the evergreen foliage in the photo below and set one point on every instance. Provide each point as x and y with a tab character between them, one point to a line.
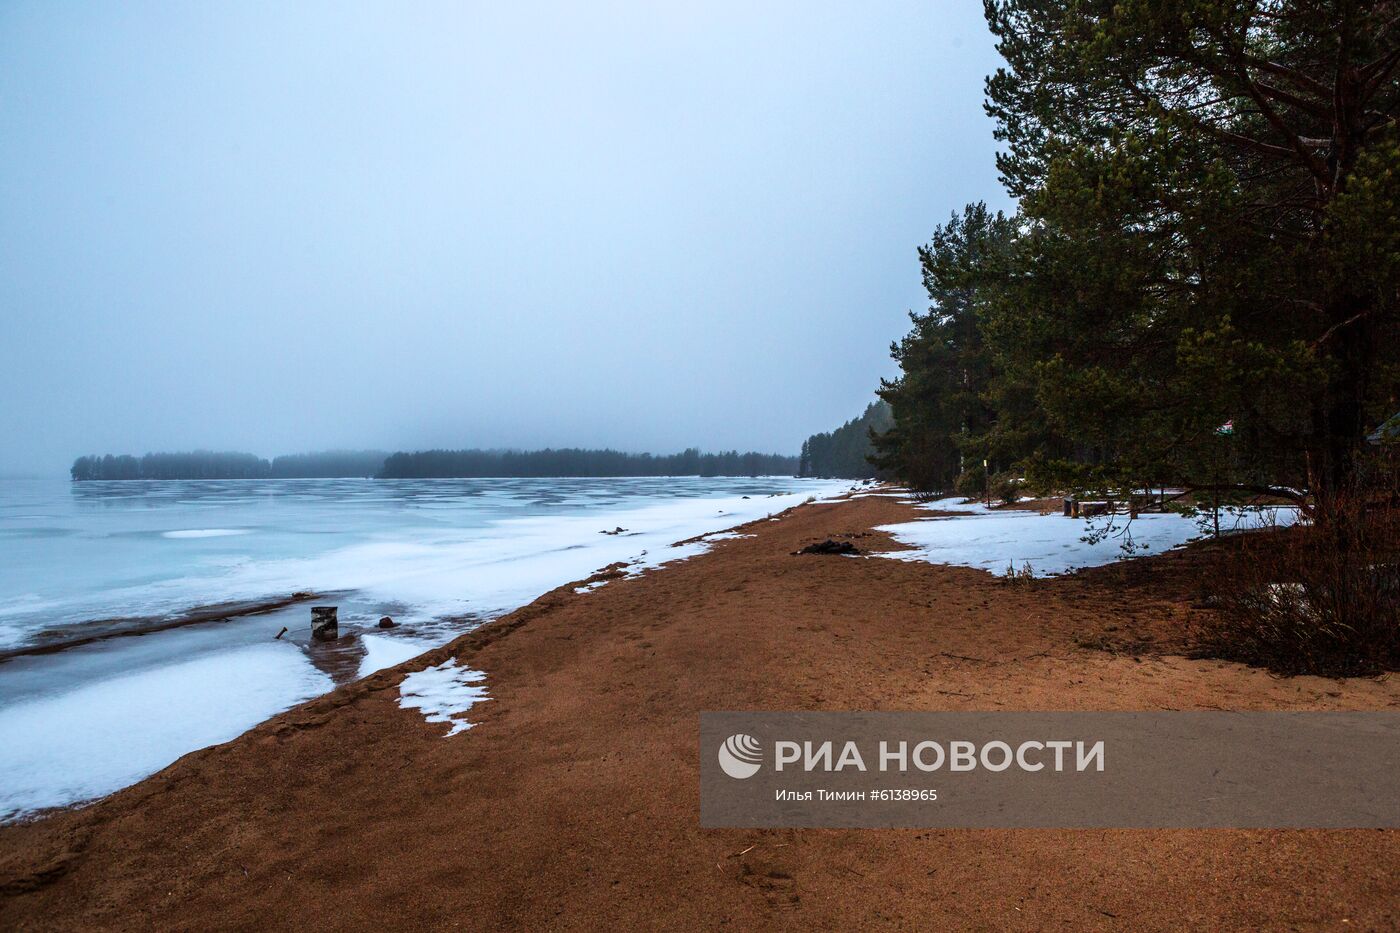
1208	232
198	464
945	402
845	452
205	464
430	463
329	463
578	462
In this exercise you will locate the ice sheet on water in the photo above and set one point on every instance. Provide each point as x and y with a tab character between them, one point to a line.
443	570
444	693
127	550
205	533
78	737
100	737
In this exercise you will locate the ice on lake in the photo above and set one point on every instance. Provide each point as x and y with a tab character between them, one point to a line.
439	556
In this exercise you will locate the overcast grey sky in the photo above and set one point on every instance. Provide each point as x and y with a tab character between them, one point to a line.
289	226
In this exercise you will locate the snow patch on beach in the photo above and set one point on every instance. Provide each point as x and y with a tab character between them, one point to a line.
648	560
994	540
862	491
382	651
444	693
836	495
100	737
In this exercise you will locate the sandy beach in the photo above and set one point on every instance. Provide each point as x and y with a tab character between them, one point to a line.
573	801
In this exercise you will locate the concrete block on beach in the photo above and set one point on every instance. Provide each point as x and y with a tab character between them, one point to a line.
324	624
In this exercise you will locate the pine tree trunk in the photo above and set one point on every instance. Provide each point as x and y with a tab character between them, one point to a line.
1345	417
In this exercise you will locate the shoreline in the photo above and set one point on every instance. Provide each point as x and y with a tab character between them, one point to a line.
573	801
108	711
50	643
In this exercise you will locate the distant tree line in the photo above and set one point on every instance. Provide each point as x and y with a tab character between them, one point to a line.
209	464
204	464
578	462
845	452
329	463
198	464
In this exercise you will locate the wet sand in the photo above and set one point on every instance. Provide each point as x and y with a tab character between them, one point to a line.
573	803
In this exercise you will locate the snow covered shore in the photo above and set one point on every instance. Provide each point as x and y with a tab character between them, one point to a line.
995	539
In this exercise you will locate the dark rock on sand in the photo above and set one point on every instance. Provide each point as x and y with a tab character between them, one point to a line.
387	622
830	547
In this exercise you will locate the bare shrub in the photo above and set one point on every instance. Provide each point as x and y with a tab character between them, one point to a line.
1019	577
1322	599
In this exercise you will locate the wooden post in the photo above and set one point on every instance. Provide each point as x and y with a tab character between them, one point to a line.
324	625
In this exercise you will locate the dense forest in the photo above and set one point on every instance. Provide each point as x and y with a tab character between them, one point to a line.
576	462
205	464
1199	287
329	463
199	464
844	453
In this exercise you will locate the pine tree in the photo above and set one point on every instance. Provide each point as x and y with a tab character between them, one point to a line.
1210	232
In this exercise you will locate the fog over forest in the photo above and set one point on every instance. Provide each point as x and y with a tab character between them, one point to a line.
316	226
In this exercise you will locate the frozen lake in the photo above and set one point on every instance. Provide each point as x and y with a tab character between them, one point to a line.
439	556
